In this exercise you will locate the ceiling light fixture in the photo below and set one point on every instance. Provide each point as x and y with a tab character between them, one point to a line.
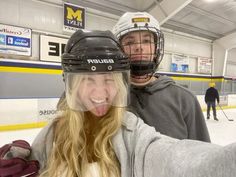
210	1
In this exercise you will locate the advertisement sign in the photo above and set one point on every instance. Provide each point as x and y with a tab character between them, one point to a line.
27	111
15	40
47	108
74	17
204	65
51	48
179	63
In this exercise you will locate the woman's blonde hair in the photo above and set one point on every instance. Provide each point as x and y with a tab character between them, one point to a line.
80	139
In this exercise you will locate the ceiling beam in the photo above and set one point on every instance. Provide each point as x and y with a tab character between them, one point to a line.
166	9
210	15
191	30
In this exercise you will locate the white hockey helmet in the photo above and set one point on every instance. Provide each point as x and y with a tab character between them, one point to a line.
142	21
135	21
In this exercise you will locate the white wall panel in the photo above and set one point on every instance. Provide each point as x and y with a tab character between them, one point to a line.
231	63
32	14
230	70
187	45
41	16
35	47
232	55
95	22
9	13
192	65
48	18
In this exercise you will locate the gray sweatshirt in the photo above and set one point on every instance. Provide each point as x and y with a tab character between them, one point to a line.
170	108
143	152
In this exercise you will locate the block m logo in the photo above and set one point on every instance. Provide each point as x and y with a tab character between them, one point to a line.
71	14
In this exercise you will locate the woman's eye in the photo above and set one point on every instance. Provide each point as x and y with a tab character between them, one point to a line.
109	80
89	80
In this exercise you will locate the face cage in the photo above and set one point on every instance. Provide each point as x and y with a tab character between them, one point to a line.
146	68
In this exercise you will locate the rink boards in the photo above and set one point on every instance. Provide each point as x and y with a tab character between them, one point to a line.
29	92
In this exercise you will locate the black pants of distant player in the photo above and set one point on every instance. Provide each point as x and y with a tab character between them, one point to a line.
209	105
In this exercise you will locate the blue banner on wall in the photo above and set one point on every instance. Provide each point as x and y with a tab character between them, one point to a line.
15	40
179	64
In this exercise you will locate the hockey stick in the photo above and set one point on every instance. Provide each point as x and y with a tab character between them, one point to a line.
225	114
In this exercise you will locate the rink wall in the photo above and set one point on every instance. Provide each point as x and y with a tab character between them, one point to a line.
30	90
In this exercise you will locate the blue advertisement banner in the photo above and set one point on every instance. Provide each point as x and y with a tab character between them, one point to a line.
179	64
2	39
15	40
18	41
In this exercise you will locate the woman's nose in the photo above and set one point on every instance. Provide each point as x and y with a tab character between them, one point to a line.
100	91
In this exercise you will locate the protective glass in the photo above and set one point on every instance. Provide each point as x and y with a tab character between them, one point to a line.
97	91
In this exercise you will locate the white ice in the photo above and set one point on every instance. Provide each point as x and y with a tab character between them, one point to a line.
222	132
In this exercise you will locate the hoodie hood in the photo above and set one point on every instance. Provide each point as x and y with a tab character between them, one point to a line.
160	83
142	94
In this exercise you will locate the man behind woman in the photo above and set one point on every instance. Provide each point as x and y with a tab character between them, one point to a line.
158	100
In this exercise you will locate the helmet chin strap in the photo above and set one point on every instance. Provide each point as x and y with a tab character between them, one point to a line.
142	68
142	81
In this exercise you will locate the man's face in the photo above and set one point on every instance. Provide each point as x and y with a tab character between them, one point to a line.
139	45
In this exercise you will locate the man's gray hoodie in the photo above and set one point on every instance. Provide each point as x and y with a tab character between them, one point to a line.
170	108
143	152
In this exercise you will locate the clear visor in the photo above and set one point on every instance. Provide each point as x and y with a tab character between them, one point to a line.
97	92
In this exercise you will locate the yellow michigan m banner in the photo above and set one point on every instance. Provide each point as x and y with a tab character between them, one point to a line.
74	17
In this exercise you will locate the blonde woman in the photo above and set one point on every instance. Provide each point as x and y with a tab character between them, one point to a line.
94	136
96	76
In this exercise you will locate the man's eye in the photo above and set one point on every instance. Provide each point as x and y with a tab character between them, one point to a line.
146	41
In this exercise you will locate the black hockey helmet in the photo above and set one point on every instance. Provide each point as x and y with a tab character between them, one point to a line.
95	67
94	51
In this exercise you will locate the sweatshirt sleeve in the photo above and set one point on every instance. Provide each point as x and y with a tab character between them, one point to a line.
195	121
188	158
42	146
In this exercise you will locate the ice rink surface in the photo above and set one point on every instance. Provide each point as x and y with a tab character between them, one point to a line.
222	132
